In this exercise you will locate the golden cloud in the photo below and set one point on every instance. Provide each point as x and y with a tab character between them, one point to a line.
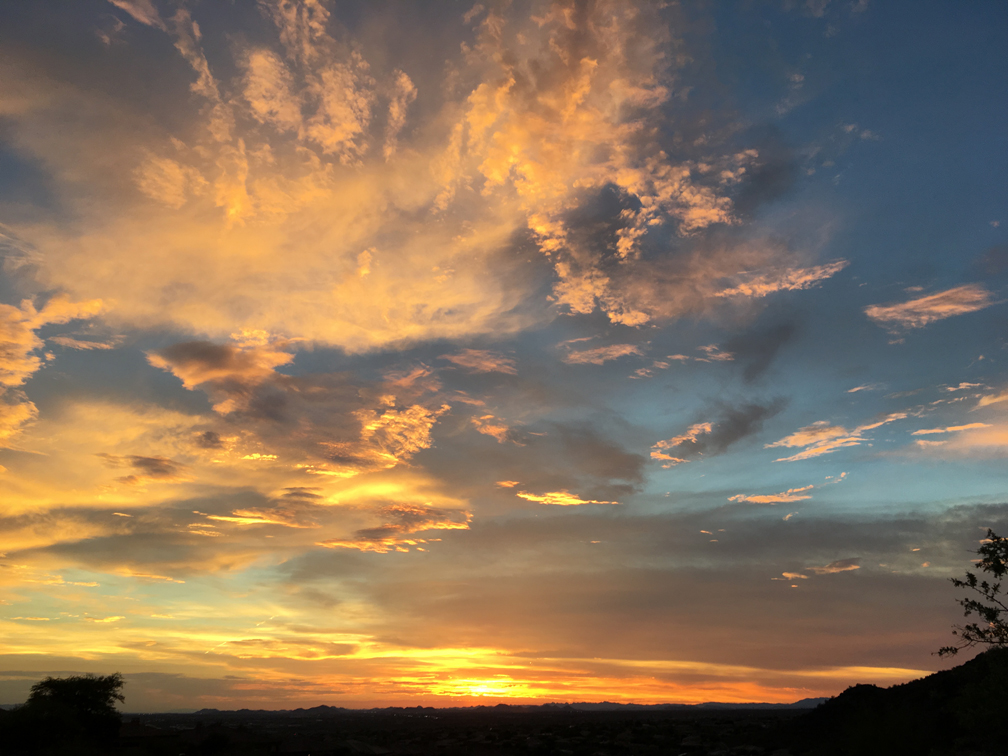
917	313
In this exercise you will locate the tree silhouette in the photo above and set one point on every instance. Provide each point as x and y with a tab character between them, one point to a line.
65	715
992	629
88	695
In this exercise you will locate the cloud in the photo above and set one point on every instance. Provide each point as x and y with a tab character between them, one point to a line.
841	565
714	354
989	399
601	355
789	279
341	430
865	387
18	340
792	494
142	11
269	91
560	498
403	94
19	359
545	130
821	437
16	413
489	425
917	313
950	429
714	437
970	441
482	361
69	342
757	350
404	520
159	469
994	261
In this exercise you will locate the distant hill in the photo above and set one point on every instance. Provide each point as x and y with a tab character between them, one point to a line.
805	703
963	710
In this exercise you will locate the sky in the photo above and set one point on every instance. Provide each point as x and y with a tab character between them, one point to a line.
371	354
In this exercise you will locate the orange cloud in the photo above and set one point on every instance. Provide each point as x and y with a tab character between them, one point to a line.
489	425
917	313
841	565
601	355
950	429
789	279
792	494
821	437
481	361
689	438
404	520
562	498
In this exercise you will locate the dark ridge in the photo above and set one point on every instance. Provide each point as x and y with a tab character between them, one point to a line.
963	710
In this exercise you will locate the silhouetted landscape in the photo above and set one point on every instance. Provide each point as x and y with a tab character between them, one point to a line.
957	712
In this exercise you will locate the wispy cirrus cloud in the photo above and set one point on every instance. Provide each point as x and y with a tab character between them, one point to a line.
785	497
950	429
922	311
562	498
601	355
398	533
790	279
482	361
840	565
822	437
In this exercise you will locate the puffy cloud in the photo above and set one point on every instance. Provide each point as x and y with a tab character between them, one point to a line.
269	91
340	430
560	498
19	360
821	437
482	361
917	313
18	340
168	181
16	412
792	494
541	123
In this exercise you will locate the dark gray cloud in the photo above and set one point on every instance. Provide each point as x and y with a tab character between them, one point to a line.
209	440
713	435
994	262
147	468
756	349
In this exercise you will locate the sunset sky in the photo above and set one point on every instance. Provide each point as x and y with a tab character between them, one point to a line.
373	354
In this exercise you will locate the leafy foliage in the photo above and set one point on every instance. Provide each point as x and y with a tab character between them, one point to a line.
70	715
89	695
990	608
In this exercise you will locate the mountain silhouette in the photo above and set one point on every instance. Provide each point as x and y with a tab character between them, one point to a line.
963	710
